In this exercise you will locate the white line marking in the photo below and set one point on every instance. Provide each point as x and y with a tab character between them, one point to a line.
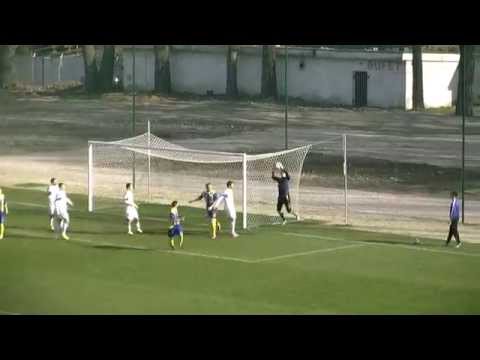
2	312
177	252
309	253
186	253
30	204
413	247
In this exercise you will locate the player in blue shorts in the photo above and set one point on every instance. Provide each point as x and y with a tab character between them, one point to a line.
175	226
3	213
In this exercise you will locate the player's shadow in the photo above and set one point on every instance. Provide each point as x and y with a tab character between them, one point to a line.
30	185
119	247
423	243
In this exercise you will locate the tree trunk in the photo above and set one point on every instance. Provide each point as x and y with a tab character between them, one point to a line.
417	78
232	60
466	55
91	72
6	54
162	69
105	74
269	77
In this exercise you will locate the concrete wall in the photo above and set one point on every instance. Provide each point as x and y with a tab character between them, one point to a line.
476	79
198	72
327	76
144	70
330	79
36	70
439	79
249	73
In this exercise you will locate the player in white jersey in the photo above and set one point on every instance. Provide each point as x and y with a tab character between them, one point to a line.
52	195
229	205
131	210
62	201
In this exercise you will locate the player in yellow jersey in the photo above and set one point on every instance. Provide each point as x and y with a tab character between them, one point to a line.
3	213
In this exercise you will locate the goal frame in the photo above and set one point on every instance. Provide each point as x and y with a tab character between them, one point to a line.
240	158
91	184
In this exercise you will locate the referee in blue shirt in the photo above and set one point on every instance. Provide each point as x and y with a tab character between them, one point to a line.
454	218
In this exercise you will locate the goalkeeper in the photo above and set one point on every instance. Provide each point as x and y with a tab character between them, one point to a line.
210	197
283	192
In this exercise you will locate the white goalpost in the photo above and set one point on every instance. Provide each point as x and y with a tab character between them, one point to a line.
165	172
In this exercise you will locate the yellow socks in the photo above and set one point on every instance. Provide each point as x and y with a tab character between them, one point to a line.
214	228
2	230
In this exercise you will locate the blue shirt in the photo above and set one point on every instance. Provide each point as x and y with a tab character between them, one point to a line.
454	210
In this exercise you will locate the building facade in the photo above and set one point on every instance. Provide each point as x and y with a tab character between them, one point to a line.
323	76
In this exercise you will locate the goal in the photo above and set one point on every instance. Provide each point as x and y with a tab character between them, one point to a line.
161	172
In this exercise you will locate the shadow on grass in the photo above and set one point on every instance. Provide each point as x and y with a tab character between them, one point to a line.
119	247
30	185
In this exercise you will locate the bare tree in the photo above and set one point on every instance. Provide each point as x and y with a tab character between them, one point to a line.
90	61
162	68
417	64
269	77
467	57
105	73
232	61
98	78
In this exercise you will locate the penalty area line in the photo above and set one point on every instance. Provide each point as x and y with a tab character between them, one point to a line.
318	251
216	257
409	247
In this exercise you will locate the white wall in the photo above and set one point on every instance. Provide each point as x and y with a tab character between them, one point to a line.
198	72
476	80
144	70
249	74
23	69
439	79
28	69
330	80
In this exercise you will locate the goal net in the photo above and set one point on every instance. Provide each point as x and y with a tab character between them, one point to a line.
162	172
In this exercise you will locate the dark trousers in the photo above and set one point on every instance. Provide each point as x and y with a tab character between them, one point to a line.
453	232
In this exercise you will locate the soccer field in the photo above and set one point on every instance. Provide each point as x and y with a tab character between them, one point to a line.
300	268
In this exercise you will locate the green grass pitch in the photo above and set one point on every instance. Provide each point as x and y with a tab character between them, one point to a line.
300	268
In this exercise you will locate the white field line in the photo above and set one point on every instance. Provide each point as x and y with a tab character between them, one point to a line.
186	253
226	258
417	248
3	312
308	253
173	252
409	247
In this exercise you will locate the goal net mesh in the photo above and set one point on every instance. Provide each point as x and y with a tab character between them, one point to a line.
162	172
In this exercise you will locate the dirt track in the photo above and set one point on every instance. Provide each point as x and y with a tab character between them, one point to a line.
41	137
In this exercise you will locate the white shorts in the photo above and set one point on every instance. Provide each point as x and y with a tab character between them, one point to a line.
232	214
131	213
62	214
51	208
